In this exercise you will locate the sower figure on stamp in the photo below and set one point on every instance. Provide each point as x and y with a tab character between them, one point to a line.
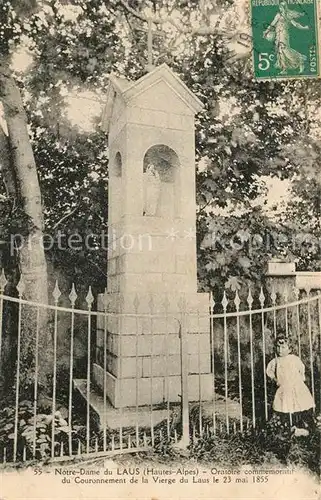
293	400
278	31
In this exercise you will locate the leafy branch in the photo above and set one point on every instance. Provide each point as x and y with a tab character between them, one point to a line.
200	30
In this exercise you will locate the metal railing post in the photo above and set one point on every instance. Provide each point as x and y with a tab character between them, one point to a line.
185	439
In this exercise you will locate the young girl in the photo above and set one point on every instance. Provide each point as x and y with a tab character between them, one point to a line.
292	399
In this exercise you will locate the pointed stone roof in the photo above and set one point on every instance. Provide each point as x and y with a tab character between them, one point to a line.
129	90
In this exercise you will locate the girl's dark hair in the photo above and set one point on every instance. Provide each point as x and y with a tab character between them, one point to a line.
282	338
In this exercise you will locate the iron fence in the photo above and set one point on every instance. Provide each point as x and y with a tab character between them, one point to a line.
243	344
116	389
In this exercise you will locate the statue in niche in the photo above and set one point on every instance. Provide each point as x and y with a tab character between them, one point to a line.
152	189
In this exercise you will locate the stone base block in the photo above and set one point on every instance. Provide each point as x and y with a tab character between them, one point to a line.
158	366
151	345
308	280
115	418
127	392
138	325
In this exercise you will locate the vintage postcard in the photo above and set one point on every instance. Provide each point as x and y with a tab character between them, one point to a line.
160	260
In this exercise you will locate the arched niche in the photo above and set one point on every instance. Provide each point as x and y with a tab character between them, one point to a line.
116	167
115	187
161	182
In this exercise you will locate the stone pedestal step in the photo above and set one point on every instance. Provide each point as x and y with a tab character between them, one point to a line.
128	417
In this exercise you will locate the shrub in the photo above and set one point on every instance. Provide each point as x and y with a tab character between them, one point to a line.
273	443
33	432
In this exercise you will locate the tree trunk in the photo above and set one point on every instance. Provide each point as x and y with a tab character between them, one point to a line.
31	255
9	322
6	166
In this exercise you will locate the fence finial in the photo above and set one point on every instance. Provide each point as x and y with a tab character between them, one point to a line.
73	295
56	292
237	301
21	287
3	281
89	298
286	294
273	295
224	301
250	299
262	297
212	301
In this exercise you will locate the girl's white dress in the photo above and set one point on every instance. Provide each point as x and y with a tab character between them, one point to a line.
292	394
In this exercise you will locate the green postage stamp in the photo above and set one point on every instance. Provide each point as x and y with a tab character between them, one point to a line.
285	38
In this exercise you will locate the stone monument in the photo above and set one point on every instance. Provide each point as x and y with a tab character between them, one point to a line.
152	245
283	278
